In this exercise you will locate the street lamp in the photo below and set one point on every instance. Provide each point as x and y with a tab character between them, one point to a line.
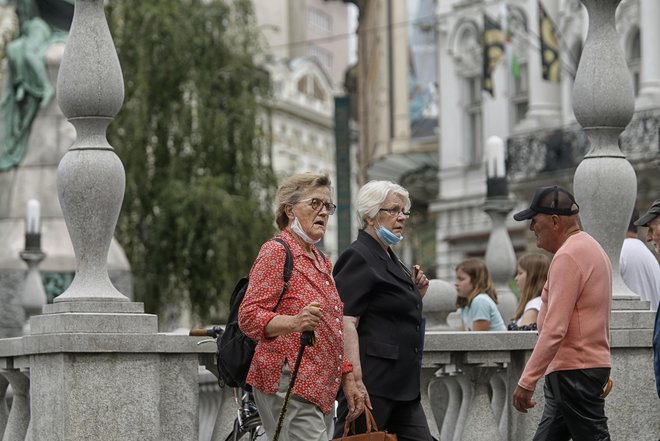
34	295
500	257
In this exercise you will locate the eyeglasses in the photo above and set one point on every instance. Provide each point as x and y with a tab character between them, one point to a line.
317	205
395	211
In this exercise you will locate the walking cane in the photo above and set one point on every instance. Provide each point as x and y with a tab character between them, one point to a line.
307	338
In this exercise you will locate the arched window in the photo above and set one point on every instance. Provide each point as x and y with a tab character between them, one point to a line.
467	55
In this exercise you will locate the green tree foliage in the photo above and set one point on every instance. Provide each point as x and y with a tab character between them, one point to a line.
198	175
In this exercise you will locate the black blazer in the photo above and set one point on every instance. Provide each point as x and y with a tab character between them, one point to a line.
375	286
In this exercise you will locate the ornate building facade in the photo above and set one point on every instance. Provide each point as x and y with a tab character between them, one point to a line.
544	143
533	115
301	125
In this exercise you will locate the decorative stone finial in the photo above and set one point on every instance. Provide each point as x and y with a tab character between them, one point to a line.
605	185
90	177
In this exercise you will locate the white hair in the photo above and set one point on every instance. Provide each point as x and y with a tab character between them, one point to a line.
371	196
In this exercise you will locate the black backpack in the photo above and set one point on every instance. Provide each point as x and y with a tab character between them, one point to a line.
235	349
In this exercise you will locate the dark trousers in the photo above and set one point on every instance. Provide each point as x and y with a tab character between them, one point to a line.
574	407
406	419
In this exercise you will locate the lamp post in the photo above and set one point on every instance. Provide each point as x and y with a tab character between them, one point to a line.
34	295
500	257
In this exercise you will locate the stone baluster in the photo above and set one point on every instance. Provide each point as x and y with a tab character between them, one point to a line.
499	401
4	411
500	256
467	392
19	414
481	422
427	375
605	185
100	369
90	176
439	399
453	407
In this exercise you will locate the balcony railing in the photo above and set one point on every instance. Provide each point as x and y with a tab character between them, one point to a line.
563	148
467	380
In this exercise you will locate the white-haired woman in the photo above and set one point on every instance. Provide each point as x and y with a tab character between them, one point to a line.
383	326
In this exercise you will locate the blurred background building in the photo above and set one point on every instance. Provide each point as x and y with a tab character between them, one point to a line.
533	48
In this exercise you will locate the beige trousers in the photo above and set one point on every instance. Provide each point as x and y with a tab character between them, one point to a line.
303	421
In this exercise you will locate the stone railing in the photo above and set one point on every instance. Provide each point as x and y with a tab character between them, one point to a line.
467	379
155	376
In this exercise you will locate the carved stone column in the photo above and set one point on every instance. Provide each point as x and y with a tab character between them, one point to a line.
90	177
605	185
98	367
500	256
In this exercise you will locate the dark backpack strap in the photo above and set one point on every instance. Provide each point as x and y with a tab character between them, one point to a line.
288	269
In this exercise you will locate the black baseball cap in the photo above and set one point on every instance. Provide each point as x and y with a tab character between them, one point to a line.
647	217
550	200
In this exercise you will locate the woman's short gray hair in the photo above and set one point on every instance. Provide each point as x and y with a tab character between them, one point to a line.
371	196
292	189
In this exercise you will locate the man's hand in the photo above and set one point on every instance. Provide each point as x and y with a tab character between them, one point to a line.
522	399
354	397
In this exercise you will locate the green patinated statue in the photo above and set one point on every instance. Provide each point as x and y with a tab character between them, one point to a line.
27	86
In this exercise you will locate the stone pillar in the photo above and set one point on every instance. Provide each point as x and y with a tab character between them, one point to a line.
605	185
544	96
98	367
500	256
649	92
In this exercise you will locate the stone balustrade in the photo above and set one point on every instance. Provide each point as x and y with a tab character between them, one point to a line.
467	379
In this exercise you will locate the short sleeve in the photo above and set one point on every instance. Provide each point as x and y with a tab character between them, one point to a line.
480	308
535	303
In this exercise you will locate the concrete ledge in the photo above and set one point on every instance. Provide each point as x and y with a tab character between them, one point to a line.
103	343
631	338
95	307
632	320
479	341
630	304
441	342
94	323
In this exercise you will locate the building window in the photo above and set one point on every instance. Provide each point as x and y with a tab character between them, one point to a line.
474	126
634	53
318	91
319	20
311	87
302	85
323	56
520	96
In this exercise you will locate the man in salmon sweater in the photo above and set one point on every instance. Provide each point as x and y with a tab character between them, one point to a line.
573	349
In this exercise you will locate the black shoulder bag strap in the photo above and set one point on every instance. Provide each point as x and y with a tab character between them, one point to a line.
288	269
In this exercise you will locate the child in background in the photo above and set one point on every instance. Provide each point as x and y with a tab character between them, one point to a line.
477	298
531	275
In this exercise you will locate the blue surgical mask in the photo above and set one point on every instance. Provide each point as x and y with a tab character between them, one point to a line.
297	228
387	236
